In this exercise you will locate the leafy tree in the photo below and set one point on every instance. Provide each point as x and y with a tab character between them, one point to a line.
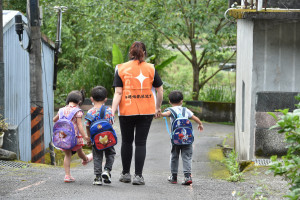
19	5
186	25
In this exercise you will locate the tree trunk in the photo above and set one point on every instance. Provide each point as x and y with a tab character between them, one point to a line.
195	81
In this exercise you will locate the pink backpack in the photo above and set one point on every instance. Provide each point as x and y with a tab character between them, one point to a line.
64	136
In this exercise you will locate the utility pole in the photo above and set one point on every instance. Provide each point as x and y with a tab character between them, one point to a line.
36	85
2	88
59	10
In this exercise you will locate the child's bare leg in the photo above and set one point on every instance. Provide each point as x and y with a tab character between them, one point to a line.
67	161
81	154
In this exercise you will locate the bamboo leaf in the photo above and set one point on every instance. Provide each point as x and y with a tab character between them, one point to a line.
117	55
165	63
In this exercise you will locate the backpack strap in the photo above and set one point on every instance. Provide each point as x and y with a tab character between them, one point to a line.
90	118
101	115
102	112
72	113
183	111
168	127
61	113
172	112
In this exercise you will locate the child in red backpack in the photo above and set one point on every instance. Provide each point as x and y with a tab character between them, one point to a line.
98	98
74	100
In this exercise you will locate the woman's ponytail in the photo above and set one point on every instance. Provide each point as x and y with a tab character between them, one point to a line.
138	51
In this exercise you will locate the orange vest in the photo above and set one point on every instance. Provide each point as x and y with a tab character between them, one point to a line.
138	96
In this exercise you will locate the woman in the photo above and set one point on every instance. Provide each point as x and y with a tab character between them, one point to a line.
135	83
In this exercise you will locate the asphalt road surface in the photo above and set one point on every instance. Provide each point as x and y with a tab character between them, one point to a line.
46	182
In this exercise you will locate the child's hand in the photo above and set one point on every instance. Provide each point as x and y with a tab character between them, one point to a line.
200	127
89	143
87	139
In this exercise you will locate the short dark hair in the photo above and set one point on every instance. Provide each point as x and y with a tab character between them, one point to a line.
175	96
76	96
99	93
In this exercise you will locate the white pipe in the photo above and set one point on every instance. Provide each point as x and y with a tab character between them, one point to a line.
259	5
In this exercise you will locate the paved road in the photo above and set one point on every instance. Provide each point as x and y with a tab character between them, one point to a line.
40	182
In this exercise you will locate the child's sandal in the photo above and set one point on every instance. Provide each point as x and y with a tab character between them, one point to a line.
69	179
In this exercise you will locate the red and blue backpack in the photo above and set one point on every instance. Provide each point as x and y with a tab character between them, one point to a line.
181	128
64	136
102	133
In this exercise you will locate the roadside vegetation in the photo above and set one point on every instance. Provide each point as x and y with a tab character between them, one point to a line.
196	37
289	165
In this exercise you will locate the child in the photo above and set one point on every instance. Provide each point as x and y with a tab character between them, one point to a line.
75	99
176	99
98	98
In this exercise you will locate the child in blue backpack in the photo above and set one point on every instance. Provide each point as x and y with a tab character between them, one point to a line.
74	100
176	100
98	98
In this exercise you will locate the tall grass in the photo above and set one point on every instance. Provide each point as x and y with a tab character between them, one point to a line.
219	93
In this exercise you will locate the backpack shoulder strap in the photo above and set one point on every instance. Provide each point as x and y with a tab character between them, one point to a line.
102	112
172	112
183	111
61	113
89	117
72	113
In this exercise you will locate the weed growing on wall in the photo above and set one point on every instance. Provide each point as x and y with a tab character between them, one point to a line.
232	164
3	125
289	167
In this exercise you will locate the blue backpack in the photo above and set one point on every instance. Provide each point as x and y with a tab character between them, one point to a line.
64	136
181	128
102	133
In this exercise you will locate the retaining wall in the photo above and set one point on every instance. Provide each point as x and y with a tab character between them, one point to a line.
269	142
209	111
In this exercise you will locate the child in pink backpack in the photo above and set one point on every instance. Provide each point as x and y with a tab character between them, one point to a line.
74	100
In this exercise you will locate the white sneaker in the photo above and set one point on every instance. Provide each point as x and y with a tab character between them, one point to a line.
125	178
138	180
97	180
106	176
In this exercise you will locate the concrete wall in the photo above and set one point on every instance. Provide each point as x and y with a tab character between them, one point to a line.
290	4
267	60
244	101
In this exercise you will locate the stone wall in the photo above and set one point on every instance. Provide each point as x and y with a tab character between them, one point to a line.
218	112
11	140
269	142
210	111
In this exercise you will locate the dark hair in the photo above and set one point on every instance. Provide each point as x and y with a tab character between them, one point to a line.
76	96
99	93
137	51
175	96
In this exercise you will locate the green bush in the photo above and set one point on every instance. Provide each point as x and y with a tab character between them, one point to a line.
289	167
93	72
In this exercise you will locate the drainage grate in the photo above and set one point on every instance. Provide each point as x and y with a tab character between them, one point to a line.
13	164
261	162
